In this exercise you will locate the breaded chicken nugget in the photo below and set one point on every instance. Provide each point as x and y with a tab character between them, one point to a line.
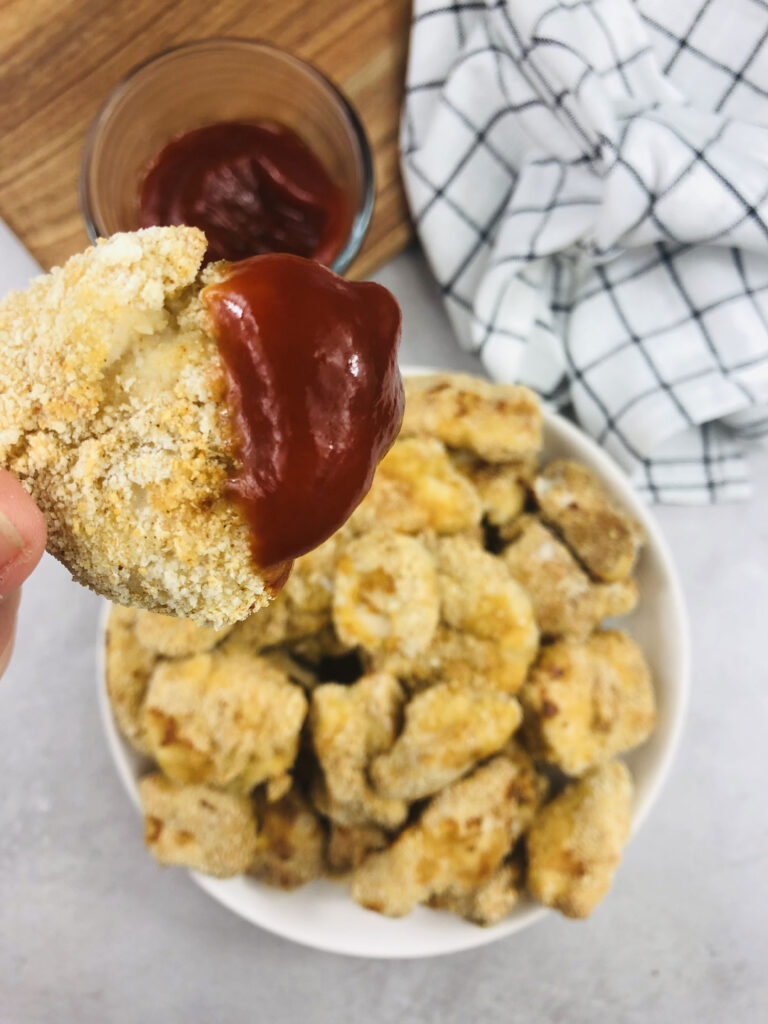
448	729
386	594
565	600
290	842
113	416
575	843
349	845
197	827
497	422
491	901
349	726
602	535
461	838
501	485
417	488
129	666
478	597
227	718
586	702
171	637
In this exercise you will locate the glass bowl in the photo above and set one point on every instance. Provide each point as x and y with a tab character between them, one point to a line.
205	82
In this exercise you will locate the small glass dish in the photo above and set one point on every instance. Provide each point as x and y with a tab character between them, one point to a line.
206	82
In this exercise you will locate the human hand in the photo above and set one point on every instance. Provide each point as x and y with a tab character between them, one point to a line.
22	541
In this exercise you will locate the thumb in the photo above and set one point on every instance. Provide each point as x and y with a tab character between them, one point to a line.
22	540
22	534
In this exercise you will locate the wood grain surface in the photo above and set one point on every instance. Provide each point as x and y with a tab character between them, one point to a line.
60	58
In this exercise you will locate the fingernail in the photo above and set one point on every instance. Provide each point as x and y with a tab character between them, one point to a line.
11	544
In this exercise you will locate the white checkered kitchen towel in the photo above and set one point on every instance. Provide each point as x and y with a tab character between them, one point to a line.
589	179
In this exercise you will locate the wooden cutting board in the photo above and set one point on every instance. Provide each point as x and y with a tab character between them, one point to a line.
60	58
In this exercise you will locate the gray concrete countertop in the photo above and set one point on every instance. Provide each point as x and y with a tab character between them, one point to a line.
91	931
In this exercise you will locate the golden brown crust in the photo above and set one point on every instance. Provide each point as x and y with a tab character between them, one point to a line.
227	718
448	729
604	537
113	416
496	422
197	827
290	843
349	726
575	843
416	488
491	901
586	702
129	666
349	845
462	837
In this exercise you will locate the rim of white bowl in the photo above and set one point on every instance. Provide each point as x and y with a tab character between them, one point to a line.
471	936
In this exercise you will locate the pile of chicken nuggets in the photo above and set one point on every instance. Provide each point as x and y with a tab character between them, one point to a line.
431	708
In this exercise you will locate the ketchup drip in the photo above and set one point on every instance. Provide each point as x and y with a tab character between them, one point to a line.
252	187
315	394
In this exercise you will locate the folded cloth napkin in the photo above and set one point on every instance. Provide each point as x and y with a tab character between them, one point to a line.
589	180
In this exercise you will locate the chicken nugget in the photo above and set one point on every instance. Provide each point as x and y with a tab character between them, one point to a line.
461	838
123	414
386	593
129	666
349	726
448	729
575	843
349	845
197	827
416	488
478	597
497	422
227	718
501	485
289	844
604	537
491	901
586	702
172	637
565	600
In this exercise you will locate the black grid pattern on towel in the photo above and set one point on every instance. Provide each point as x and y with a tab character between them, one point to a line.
706	464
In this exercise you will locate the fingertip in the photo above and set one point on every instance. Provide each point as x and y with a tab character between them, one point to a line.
22	533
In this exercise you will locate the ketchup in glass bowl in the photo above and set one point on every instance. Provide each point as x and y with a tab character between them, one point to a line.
241	139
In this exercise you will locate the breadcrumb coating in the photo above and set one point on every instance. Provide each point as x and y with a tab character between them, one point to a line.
461	838
491	901
448	729
113	416
604	537
566	601
497	422
349	845
129	666
586	702
349	726
197	827
228	718
290	843
416	488
575	843
386	594
171	637
501	486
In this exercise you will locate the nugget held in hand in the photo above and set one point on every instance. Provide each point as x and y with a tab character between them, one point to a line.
174	424
575	843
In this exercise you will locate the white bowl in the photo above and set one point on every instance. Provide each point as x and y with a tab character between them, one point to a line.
322	914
